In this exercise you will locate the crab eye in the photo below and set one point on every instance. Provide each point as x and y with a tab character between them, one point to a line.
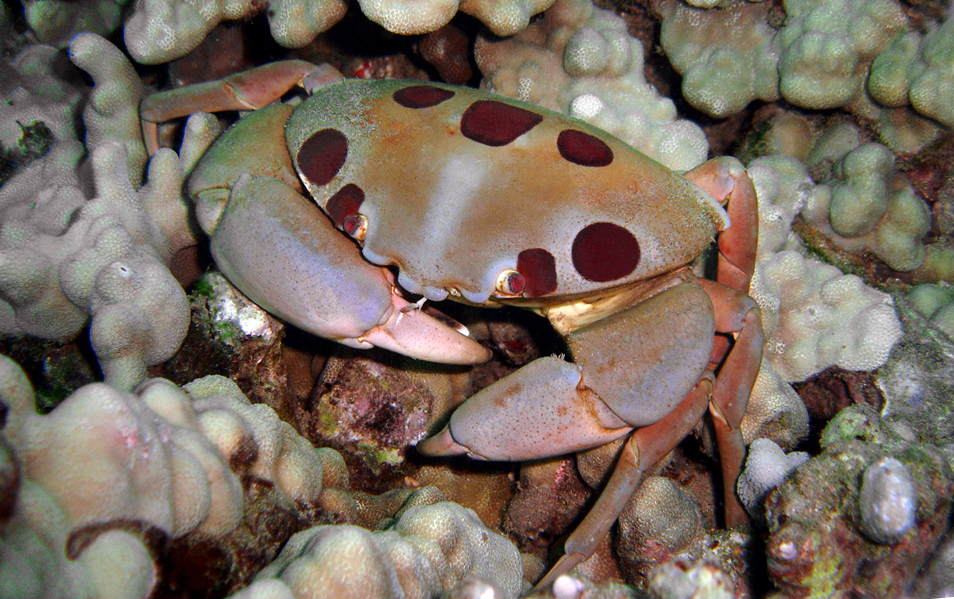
511	282
356	226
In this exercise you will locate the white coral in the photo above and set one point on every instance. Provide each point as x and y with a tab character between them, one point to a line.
827	47
728	57
104	459
427	552
814	316
824	317
163	30
82	237
873	206
766	467
916	69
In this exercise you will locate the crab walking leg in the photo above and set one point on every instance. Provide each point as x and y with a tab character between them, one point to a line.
727	180
738	314
284	254
541	410
248	90
631	369
643	367
642	451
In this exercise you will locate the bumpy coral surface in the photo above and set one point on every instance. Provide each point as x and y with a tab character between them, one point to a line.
766	467
917	380
163	30
815	54
684	579
813	314
83	237
936	303
659	522
429	550
818	544
107	474
873	206
56	22
915	69
728	57
827	47
774	410
827	318
40	86
503	17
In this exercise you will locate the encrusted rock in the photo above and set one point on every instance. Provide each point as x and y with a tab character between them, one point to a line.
816	546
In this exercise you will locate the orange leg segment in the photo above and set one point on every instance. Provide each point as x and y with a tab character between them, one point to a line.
249	90
644	448
738	314
727	181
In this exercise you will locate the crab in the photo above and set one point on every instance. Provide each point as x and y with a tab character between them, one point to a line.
487	200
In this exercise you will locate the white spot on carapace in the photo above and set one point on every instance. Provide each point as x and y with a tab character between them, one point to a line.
460	180
461	177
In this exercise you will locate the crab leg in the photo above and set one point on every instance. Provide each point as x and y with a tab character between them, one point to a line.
738	314
644	448
551	407
249	90
727	181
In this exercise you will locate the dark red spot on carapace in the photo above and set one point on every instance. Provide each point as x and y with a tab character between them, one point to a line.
421	96
583	149
322	156
605	252
344	203
496	124
539	270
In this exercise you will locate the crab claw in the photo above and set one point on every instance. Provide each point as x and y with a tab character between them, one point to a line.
543	409
286	256
410	331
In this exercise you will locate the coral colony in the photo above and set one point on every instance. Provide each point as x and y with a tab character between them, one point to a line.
304	470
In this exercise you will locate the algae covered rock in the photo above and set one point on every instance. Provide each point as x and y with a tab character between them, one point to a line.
818	543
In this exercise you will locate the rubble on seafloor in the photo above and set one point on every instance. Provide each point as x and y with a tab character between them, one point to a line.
229	454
